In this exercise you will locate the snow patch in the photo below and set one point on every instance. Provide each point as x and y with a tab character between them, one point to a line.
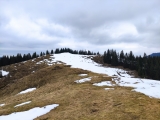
109	88
27	90
4	73
23	104
30	114
148	87
83	80
82	74
2	105
104	83
48	62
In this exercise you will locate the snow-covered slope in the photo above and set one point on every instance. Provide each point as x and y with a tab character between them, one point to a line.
81	61
145	86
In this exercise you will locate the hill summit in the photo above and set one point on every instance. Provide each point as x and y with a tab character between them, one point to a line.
73	87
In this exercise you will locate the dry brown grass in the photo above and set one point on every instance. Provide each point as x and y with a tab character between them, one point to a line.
55	84
19	70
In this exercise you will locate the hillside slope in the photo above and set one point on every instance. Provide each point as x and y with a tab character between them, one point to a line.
75	89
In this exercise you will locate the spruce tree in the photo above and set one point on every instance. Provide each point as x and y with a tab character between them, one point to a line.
108	57
47	52
41	54
51	51
105	57
57	51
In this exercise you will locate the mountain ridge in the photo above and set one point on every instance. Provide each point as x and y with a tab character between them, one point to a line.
155	54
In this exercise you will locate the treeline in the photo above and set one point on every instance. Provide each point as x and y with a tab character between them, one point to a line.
7	60
146	66
81	52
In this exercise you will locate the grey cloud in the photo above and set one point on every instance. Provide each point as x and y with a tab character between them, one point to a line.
85	21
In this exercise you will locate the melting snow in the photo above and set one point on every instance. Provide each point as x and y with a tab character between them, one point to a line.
30	114
145	86
83	74
27	90
109	88
104	83
83	80
22	104
49	62
2	105
123	73
78	61
4	73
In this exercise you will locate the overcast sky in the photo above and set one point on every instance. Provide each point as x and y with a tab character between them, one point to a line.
96	25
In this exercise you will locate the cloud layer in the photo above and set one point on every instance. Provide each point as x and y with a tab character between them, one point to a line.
28	26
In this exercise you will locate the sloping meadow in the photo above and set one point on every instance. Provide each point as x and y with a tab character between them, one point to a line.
72	90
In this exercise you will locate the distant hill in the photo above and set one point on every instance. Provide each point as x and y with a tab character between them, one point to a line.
155	55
